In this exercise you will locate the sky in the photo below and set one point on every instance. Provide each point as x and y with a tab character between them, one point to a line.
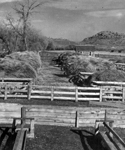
74	19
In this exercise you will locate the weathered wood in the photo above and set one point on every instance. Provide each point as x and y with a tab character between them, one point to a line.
114	134
112	97
100	97
29	91
41	92
88	99
103	83
5	92
123	94
76	94
20	140
65	93
15	79
106	140
52	93
89	93
108	104
77	119
23	115
37	97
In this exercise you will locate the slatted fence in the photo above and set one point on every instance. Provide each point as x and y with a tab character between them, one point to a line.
65	93
23	88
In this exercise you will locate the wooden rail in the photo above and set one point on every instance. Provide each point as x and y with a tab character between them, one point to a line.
20	141
114	134
23	88
66	93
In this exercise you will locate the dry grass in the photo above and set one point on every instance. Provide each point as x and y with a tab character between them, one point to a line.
20	64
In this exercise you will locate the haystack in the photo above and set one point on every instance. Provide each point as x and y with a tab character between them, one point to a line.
20	64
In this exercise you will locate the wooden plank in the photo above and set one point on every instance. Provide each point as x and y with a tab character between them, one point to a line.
65	93
20	140
76	94
108	83
40	92
77	119
5	93
112	92
100	97
123	94
52	93
64	98
29	91
17	96
89	93
56	115
9	114
112	97
115	134
15	79
106	140
88	99
55	87
37	97
109	104
89	88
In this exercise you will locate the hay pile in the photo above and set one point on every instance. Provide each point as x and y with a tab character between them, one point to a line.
20	64
103	69
86	64
110	75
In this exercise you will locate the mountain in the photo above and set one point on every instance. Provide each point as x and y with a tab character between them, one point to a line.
105	38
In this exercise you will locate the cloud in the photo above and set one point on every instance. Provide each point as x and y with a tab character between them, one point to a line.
86	4
107	13
4	1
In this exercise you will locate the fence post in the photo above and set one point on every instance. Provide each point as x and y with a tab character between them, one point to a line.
123	94
29	90
77	119
5	92
100	98
76	90
52	93
23	115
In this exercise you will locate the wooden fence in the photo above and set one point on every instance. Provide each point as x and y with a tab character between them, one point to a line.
23	88
76	94
65	93
62	116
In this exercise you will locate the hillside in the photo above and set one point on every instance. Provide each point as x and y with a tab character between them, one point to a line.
106	38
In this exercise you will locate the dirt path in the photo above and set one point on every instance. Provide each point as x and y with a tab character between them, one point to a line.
51	74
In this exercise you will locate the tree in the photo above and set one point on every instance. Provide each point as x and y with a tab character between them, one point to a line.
24	10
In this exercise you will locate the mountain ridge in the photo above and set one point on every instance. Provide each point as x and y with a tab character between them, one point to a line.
108	38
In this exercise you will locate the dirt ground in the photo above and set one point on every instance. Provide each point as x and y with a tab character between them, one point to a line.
63	138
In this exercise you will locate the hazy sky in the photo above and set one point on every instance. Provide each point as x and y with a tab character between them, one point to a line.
75	19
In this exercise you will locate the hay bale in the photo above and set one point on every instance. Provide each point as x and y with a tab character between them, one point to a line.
110	75
21	65
31	58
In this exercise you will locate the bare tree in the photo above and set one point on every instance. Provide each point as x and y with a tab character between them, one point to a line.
24	10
